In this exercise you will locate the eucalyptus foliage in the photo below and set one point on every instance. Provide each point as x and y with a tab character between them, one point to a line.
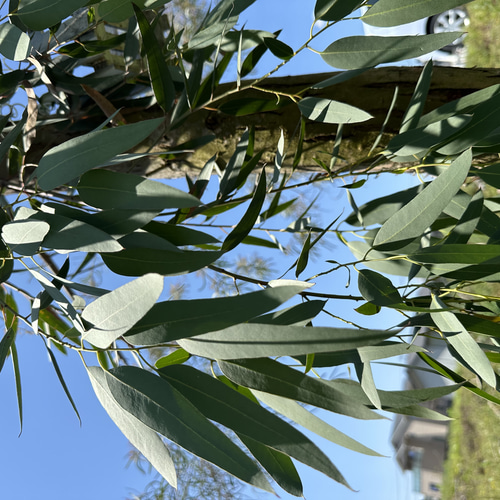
242	362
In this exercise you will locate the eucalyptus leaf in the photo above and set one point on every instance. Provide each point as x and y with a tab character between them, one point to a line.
267	375
163	408
328	111
461	340
114	190
14	44
113	314
385	13
220	403
73	158
176	319
140	435
356	52
258	340
40	14
25	237
415	217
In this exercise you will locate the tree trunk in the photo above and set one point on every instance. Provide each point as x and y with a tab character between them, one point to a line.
371	91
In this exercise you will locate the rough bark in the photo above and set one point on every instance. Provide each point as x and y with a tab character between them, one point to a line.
371	91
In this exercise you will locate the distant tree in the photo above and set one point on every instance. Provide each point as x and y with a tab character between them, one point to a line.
112	83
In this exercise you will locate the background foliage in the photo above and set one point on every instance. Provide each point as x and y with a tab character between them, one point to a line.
227	377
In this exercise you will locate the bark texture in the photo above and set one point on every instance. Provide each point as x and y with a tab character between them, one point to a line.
371	91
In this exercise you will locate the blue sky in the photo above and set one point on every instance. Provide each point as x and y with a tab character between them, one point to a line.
56	459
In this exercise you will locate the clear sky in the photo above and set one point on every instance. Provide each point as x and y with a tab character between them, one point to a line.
56	459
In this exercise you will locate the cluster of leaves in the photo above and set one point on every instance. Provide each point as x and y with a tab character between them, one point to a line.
77	202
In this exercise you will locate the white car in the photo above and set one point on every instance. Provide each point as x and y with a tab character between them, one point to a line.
456	19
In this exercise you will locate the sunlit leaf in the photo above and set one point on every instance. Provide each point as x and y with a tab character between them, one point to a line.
356	52
334	10
176	319
140	435
14	44
113	190
270	376
294	411
113	314
220	403
328	111
461	340
161	407
25	237
415	217
259	340
73	158
385	13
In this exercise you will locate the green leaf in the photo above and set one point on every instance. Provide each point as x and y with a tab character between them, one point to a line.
19	389
299	315
70	235
25	237
91	48
270	376
40	14
419	141
356	52
14	44
139	261
295	412
228	407
396	401
328	111
334	10
179	356
278	465
490	175
460	339
164	409
212	35
5	345
418	99
139	434
377	289
114	190
385	13
477	129
460	261
113	314
450	374
179	235
73	158
161	81
243	228
468	222
9	140
415	217
304	256
59	374
365	375
229	179
464	105
175	319
259	340
225	8
279	49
